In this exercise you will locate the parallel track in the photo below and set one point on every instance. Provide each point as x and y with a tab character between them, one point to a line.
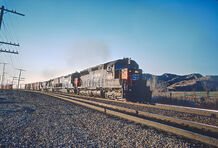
170	111
190	110
192	130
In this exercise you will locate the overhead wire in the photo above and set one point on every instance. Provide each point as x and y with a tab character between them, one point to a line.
8	34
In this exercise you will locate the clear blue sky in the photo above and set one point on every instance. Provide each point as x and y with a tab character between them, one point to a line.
60	36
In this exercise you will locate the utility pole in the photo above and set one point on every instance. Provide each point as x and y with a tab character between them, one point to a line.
11	11
3	73
18	85
1	16
14	78
1	20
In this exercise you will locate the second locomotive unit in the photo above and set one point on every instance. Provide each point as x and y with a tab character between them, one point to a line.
121	80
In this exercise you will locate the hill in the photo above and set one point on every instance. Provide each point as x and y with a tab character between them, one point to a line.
173	82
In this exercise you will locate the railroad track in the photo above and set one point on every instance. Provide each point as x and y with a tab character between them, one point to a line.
192	130
172	111
189	110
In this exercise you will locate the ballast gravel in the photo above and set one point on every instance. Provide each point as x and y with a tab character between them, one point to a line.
35	120
171	113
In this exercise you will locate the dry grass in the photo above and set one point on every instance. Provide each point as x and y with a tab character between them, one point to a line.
194	99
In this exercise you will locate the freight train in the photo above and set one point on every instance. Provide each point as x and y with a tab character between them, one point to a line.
120	80
8	86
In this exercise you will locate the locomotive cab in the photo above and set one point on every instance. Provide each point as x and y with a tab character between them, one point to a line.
134	87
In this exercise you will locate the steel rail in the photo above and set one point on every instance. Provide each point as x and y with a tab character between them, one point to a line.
164	107
178	131
183	122
196	125
160	126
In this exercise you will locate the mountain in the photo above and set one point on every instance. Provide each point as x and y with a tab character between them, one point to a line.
173	82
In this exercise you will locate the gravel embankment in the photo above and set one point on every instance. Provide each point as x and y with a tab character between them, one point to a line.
171	113
30	119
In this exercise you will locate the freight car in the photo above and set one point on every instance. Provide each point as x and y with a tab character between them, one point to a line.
121	80
8	86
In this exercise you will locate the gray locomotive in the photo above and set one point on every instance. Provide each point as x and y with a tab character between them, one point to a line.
121	80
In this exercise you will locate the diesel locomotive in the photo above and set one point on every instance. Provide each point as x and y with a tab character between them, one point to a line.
120	80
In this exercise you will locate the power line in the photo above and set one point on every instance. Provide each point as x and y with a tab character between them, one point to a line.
3	9
5	43
11	11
